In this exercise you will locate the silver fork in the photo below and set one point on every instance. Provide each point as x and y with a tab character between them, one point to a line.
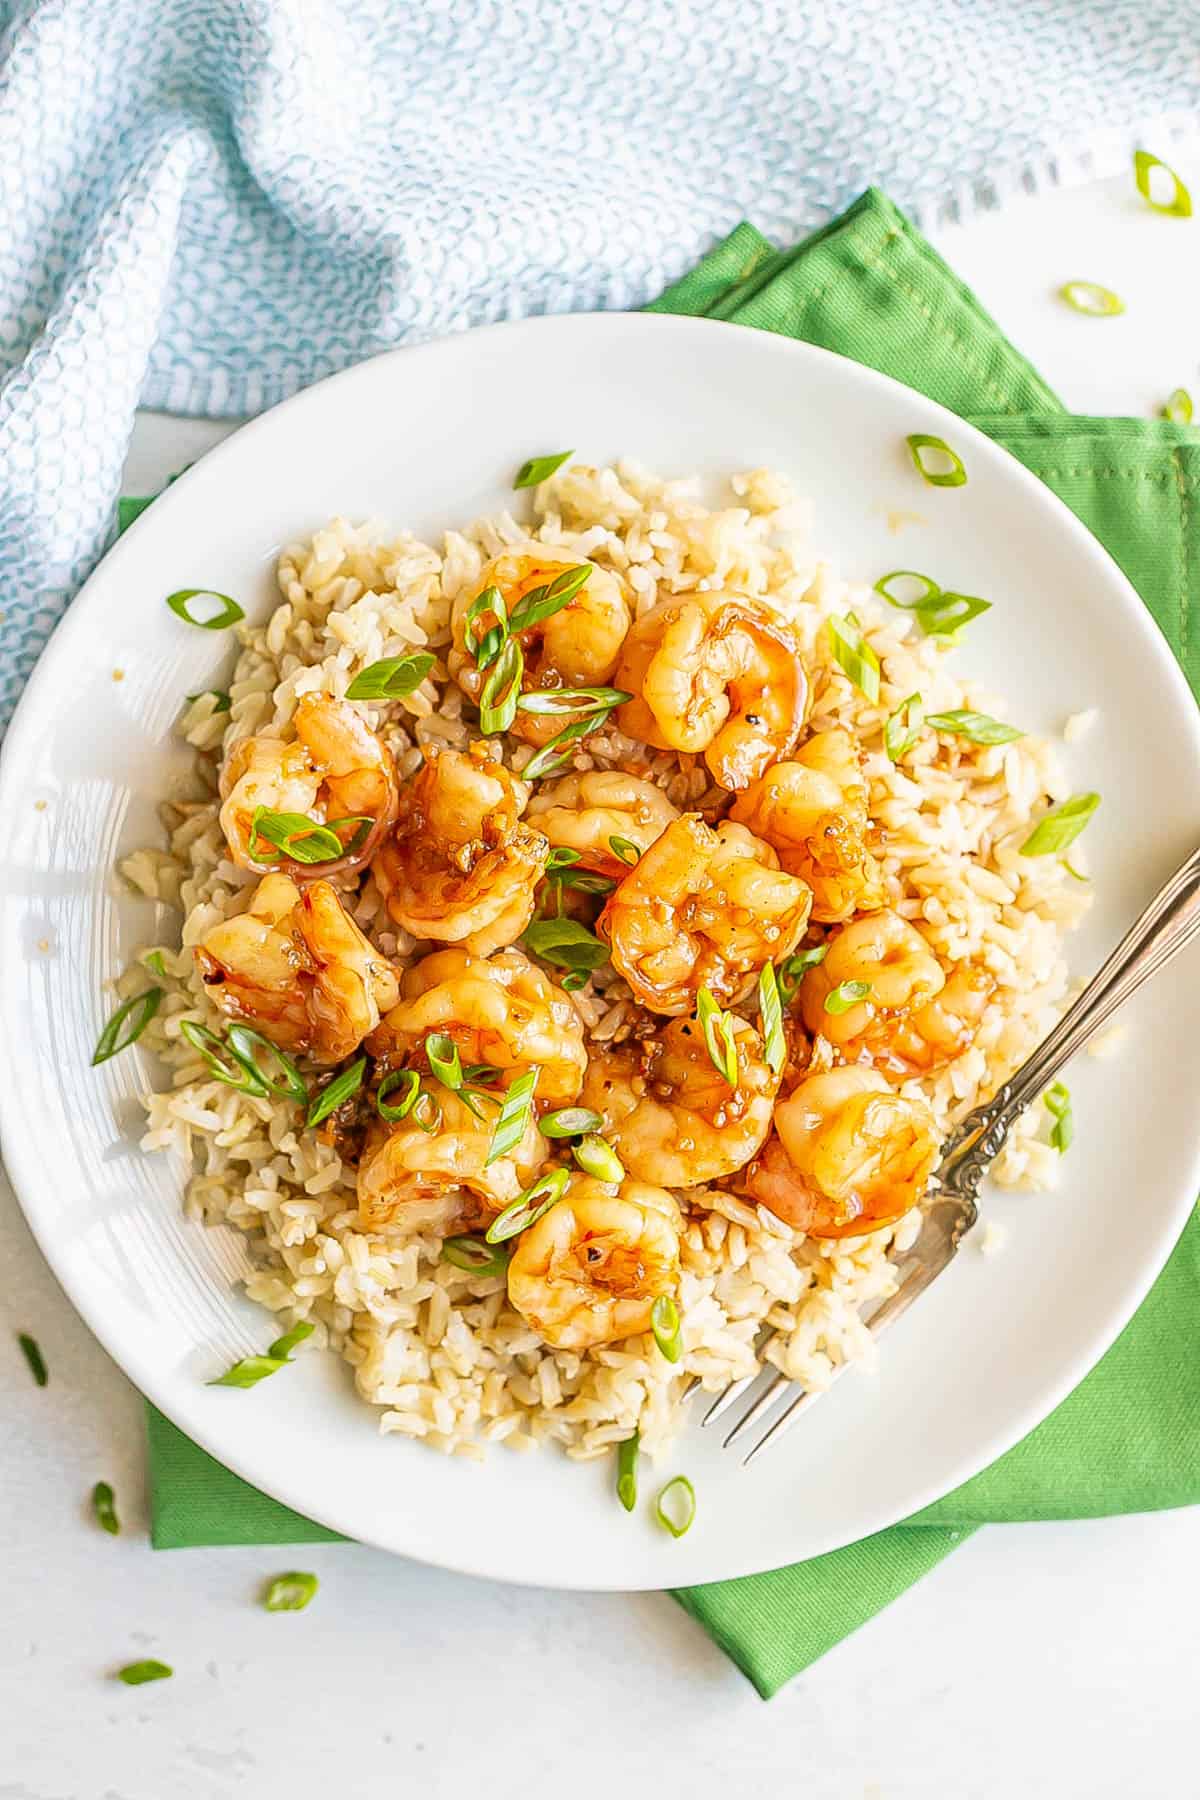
1171	920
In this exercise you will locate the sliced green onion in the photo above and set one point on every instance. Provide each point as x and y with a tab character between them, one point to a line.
627	1462
793	969
903	727
223	1065
474	1099
137	1674
845	995
245	1045
427	1112
1061	826
229	614
978	728
283	1346
1179	206
717	1027
929	589
675	1507
305	840
542	603
502	690
1179	408
31	1351
585	881
1073	872
104	1507
565	943
664	1323
514	1118
252	1369
487	647
770	1013
480	1074
946	615
445	1064
1089	298
572	700
624	850
474	1255
117	1035
392	678
529	1207
1057	1100
554	756
540	468
597	1158
562	858
410	1081
153	960
855	655
223	701
291	1592
570	1121
574	980
339	1090
927	453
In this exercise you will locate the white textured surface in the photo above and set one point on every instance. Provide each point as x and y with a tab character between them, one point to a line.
1054	1660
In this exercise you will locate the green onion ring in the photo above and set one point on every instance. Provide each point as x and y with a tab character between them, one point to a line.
1179	206
474	1255
920	443
502	690
291	1592
139	1011
570	1121
229	614
244	1043
1092	300
598	1158
213	1049
665	1324
339	1090
528	1207
410	1081
627	1462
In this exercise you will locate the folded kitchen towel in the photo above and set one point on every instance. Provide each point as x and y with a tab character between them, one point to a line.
1128	1438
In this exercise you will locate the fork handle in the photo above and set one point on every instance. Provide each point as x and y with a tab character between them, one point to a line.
1171	920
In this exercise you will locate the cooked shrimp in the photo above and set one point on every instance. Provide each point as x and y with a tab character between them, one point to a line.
941	1029
585	813
577	646
440	1180
813	811
297	968
498	1009
715	673
901	973
460	867
702	909
851	1155
335	772
669	1114
590	1269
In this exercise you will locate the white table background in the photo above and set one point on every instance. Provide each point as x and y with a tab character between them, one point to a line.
1055	1660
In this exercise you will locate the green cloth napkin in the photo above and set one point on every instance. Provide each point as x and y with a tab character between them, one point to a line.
1128	1438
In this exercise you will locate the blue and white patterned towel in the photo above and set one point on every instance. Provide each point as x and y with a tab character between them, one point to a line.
209	203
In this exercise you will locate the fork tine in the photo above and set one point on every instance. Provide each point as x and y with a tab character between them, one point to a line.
727	1396
766	1400
786	1418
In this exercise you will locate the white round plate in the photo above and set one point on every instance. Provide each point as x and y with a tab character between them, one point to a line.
427	438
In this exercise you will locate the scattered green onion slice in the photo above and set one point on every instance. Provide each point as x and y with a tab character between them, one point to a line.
624	850
675	1507
246	1044
229	614
481	1074
283	1346
903	727
717	1027
339	1090
976	727
1073	872
572	700
926	452
585	881
930	589
1061	826
565	943
223	1065
854	654
664	1323
1179	206
427	1112
529	1207
793	969
1179	408
514	1117
540	468
474	1255
305	840
770	1013
291	1592
573	980
223	701
410	1081
502	690
486	647
137	1674
562	858
252	1369
153	960
595	1157
392	678
555	755
475	1099
104	1507
945	615
118	1034
570	1121
31	1351
627	1462
1092	300
1057	1100
445	1064
845	995
542	603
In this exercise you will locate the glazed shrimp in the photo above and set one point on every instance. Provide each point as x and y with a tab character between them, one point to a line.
498	1009
813	811
590	1269
702	908
440	1181
585	813
715	673
940	1030
901	973
851	1155
297	968
460	866
670	1115
335	771
577	646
